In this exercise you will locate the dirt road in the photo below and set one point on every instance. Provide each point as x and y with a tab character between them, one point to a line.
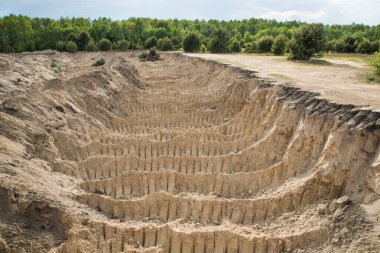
341	81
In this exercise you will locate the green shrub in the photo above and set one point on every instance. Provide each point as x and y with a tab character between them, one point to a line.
279	44
367	47
151	55
165	44
60	46
347	44
151	42
105	45
191	43
250	48
218	42
99	62
72	37
91	46
339	46
83	40
235	46
376	46
203	48
331	45
264	44
177	43
308	41
375	63
122	45
114	46
71	47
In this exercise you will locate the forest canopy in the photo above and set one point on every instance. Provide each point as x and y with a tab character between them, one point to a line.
22	33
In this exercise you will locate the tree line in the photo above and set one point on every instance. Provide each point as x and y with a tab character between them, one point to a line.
22	33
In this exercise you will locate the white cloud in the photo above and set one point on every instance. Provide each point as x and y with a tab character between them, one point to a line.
310	16
326	11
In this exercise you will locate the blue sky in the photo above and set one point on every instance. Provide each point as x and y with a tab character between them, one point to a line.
326	11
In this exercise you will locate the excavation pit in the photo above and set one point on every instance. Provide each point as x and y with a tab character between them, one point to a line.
187	155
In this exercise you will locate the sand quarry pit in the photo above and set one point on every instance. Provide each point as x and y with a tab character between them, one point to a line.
179	155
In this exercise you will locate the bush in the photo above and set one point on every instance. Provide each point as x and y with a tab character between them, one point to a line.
218	42
177	43
151	55
165	44
249	48
71	47
279	44
347	44
151	42
99	62
308	41
235	46
203	48
105	45
375	63
72	37
60	46
191	43
91	46
264	44
331	45
83	40
367	47
122	45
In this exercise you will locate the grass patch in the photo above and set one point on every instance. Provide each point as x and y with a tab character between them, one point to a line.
358	58
372	79
281	76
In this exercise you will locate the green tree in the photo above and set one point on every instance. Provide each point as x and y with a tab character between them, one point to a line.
105	45
279	44
83	40
71	47
165	44
248	37
16	34
218	42
191	43
308	41
264	44
91	46
235	46
151	42
21	33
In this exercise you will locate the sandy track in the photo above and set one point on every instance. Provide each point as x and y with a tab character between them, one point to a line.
339	81
179	155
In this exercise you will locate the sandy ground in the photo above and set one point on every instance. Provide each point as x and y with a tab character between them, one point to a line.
179	155
341	81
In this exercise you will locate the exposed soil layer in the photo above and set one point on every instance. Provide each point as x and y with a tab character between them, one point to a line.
179	155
